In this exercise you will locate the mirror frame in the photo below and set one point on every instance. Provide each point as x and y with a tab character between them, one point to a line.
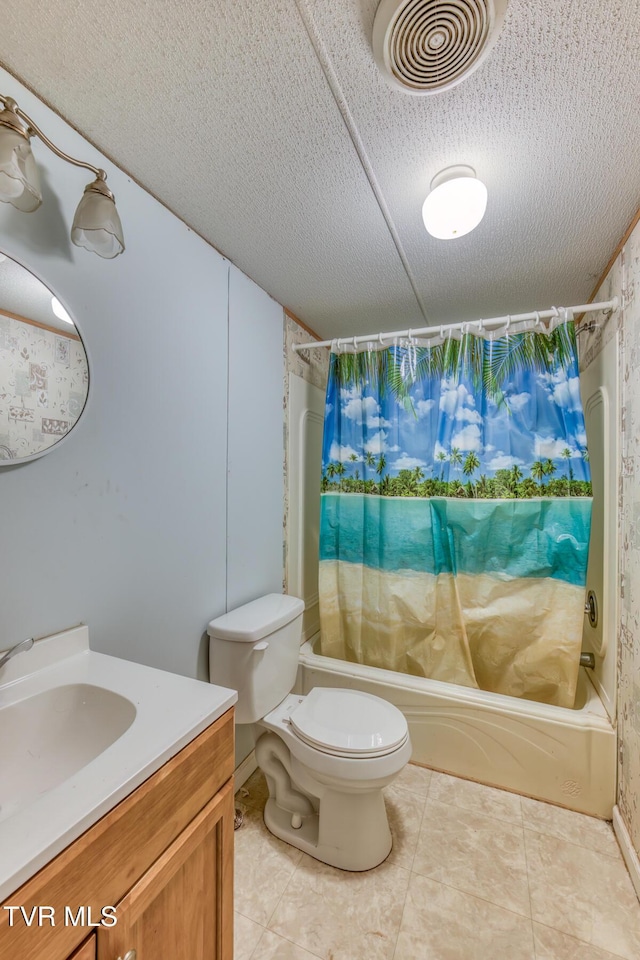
18	461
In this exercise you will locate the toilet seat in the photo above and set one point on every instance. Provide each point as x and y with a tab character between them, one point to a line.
348	723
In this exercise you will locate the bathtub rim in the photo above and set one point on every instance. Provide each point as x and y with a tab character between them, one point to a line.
591	715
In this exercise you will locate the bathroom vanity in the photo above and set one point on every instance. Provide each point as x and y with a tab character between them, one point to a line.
152	875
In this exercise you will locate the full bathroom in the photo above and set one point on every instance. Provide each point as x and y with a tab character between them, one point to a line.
319	522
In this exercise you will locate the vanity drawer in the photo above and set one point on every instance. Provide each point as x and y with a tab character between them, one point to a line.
104	863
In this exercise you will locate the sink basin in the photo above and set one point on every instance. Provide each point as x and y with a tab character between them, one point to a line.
48	737
80	731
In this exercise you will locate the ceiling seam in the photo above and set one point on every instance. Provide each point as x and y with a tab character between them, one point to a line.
352	129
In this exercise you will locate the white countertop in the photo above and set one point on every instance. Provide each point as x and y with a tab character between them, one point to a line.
170	711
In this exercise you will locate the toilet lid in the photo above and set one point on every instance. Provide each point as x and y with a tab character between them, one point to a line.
349	723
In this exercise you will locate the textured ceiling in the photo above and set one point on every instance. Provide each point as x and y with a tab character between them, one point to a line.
268	129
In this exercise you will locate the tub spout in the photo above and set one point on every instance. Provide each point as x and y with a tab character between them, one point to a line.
588	660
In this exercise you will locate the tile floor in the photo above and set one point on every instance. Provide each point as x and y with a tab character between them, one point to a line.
475	874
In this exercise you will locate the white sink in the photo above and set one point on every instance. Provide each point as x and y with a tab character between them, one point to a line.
78	732
48	737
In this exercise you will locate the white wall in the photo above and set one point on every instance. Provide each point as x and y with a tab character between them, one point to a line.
256	484
127	526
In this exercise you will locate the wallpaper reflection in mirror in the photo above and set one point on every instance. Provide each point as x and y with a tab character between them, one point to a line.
44	374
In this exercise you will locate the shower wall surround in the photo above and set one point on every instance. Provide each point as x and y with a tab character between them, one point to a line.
312	366
623	281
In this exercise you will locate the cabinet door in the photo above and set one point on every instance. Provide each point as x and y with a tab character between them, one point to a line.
182	908
87	951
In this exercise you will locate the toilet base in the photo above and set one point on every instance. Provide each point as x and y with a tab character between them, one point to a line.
346	856
346	828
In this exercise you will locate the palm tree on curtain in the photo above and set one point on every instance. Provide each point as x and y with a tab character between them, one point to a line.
442	457
492	364
566	456
488	364
331	470
471	464
369	459
455	457
339	468
514	480
382	463
538	472
549	467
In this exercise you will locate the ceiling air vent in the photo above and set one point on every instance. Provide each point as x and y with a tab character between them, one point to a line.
425	46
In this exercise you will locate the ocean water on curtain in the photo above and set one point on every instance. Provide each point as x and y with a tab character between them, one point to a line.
456	511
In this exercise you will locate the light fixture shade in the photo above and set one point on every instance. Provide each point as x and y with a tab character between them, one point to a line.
96	225
19	178
456	203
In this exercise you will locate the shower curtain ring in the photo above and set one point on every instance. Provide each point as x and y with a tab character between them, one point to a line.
355	346
537	318
481	325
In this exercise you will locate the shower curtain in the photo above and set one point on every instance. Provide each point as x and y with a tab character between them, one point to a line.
456	509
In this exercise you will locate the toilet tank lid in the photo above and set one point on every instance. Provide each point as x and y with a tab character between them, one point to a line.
257	619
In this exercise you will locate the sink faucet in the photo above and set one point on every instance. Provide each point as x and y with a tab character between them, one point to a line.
19	648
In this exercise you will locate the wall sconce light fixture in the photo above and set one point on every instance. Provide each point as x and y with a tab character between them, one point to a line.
96	225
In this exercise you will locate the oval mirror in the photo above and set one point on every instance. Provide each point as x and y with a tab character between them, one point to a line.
44	372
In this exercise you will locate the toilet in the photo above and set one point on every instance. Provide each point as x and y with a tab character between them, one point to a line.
326	756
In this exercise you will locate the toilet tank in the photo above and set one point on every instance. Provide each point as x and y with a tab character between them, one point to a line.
254	649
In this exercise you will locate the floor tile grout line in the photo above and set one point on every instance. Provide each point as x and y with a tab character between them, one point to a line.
253	952
404	906
410	871
480	813
413	858
288	940
414	793
583	846
587	943
526	867
257	922
475	896
284	890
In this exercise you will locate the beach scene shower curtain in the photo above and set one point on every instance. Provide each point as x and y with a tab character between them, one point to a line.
456	510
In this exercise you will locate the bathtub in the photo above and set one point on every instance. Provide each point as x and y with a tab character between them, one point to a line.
561	755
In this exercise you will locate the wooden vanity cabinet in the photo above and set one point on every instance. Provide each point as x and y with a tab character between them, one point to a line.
87	951
176	911
163	857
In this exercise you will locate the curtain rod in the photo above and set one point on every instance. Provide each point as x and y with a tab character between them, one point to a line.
490	323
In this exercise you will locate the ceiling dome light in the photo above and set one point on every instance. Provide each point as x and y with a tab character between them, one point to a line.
456	203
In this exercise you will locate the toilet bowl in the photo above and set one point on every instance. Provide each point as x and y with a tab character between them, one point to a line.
327	756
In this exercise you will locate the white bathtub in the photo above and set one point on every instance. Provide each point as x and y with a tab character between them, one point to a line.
552	753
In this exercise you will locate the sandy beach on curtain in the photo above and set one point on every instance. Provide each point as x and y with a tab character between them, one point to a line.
517	636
